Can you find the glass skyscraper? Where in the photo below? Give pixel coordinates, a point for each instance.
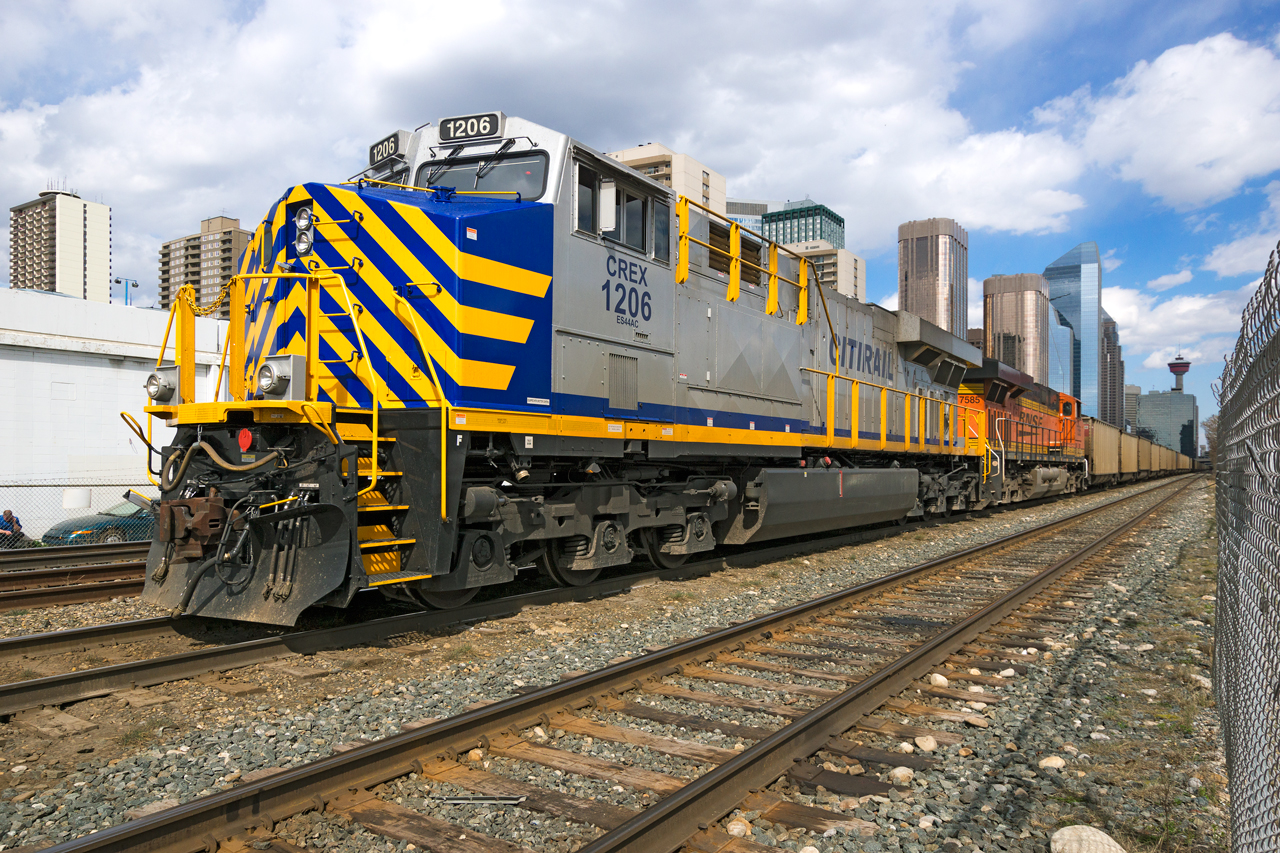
(1075, 291)
(801, 221)
(1061, 349)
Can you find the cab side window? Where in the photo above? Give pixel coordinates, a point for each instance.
(661, 231)
(588, 190)
(621, 213)
(630, 211)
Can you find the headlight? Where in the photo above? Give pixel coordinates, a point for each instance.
(303, 218)
(302, 243)
(158, 388)
(267, 378)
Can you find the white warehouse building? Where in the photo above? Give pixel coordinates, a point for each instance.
(68, 368)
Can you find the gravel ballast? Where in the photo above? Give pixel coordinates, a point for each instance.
(207, 738)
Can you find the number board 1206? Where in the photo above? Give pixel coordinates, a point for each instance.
(471, 127)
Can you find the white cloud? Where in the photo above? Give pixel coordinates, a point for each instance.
(187, 114)
(1110, 263)
(1193, 125)
(1161, 357)
(1249, 252)
(975, 304)
(1147, 323)
(889, 302)
(1172, 279)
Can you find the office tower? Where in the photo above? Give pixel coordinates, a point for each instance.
(749, 212)
(60, 242)
(206, 261)
(838, 269)
(683, 174)
(1171, 417)
(1110, 375)
(1131, 394)
(804, 221)
(1075, 290)
(977, 338)
(933, 272)
(1015, 314)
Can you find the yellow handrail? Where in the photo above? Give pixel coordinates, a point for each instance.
(736, 261)
(444, 410)
(831, 379)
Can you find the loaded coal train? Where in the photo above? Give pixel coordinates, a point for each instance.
(498, 348)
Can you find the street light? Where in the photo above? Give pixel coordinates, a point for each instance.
(127, 282)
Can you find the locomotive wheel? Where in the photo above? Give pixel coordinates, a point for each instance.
(552, 563)
(653, 550)
(445, 600)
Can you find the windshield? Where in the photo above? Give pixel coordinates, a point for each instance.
(123, 510)
(505, 173)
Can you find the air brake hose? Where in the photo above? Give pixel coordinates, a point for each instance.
(192, 584)
(167, 484)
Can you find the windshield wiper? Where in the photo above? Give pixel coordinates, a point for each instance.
(444, 164)
(486, 166)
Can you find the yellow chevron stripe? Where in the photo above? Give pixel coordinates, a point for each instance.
(476, 374)
(465, 318)
(472, 267)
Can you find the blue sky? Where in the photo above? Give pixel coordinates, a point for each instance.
(1152, 129)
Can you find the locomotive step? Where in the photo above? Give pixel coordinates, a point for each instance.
(383, 544)
(358, 433)
(374, 509)
(382, 578)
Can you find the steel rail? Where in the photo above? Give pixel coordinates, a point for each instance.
(74, 593)
(672, 820)
(205, 823)
(84, 684)
(61, 555)
(35, 578)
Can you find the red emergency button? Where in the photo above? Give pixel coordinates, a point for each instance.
(245, 438)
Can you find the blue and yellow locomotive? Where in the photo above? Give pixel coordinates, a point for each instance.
(496, 349)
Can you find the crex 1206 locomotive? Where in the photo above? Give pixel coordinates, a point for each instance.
(498, 348)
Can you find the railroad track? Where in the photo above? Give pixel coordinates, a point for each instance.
(273, 644)
(23, 559)
(756, 682)
(76, 584)
(70, 584)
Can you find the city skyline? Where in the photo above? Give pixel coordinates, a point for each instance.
(890, 118)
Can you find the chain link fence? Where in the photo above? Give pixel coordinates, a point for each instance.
(1247, 628)
(72, 512)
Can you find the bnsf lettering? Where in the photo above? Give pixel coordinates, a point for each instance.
(864, 358)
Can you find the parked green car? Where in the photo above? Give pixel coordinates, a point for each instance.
(123, 522)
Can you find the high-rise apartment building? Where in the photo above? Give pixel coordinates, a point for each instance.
(838, 269)
(749, 212)
(685, 175)
(804, 221)
(933, 272)
(1015, 315)
(1075, 291)
(206, 261)
(61, 243)
(1111, 375)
